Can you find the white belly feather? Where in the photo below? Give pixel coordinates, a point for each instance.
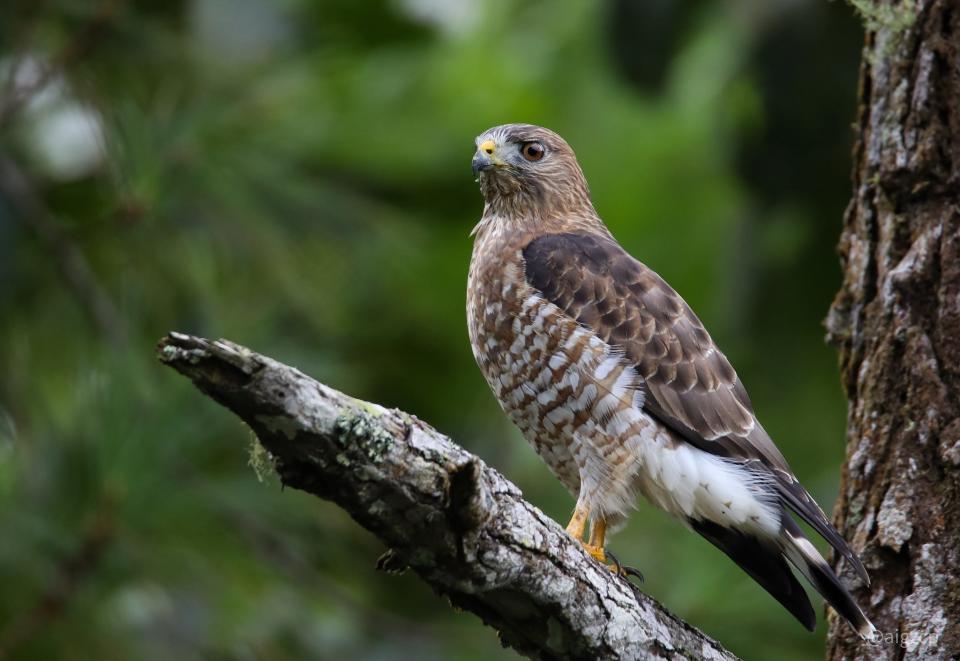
(687, 482)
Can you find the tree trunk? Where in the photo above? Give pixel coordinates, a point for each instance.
(896, 321)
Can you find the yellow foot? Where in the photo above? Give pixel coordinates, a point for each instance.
(597, 553)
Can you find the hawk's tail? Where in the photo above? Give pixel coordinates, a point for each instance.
(805, 557)
(765, 564)
(765, 560)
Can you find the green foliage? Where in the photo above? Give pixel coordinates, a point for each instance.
(294, 175)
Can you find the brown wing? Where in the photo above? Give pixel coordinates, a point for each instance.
(690, 385)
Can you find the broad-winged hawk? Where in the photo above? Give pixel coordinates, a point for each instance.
(618, 386)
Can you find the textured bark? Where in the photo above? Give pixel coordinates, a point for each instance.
(896, 321)
(460, 525)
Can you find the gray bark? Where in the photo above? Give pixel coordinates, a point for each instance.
(896, 321)
(459, 524)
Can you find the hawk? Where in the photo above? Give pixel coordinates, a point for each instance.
(615, 382)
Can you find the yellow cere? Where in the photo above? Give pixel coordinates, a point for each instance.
(487, 146)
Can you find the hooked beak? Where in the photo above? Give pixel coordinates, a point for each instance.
(485, 159)
(481, 163)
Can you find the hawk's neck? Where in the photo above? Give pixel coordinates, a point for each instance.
(496, 221)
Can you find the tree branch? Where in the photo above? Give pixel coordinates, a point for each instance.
(459, 524)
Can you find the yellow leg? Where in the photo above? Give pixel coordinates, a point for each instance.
(595, 545)
(598, 533)
(578, 523)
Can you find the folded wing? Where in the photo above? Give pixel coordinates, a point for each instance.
(690, 385)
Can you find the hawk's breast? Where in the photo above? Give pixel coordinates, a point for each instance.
(567, 390)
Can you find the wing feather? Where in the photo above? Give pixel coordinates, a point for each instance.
(693, 386)
(690, 385)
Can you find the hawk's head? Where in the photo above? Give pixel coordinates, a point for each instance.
(530, 171)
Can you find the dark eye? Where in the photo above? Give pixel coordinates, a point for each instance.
(532, 151)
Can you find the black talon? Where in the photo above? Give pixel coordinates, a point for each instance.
(626, 572)
(633, 571)
(616, 562)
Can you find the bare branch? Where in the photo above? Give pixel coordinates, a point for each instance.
(459, 524)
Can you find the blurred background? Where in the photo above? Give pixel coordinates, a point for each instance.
(295, 176)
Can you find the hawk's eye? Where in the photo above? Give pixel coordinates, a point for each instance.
(532, 151)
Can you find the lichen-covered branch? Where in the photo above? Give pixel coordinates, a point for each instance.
(459, 524)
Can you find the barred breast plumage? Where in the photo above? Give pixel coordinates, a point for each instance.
(562, 386)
